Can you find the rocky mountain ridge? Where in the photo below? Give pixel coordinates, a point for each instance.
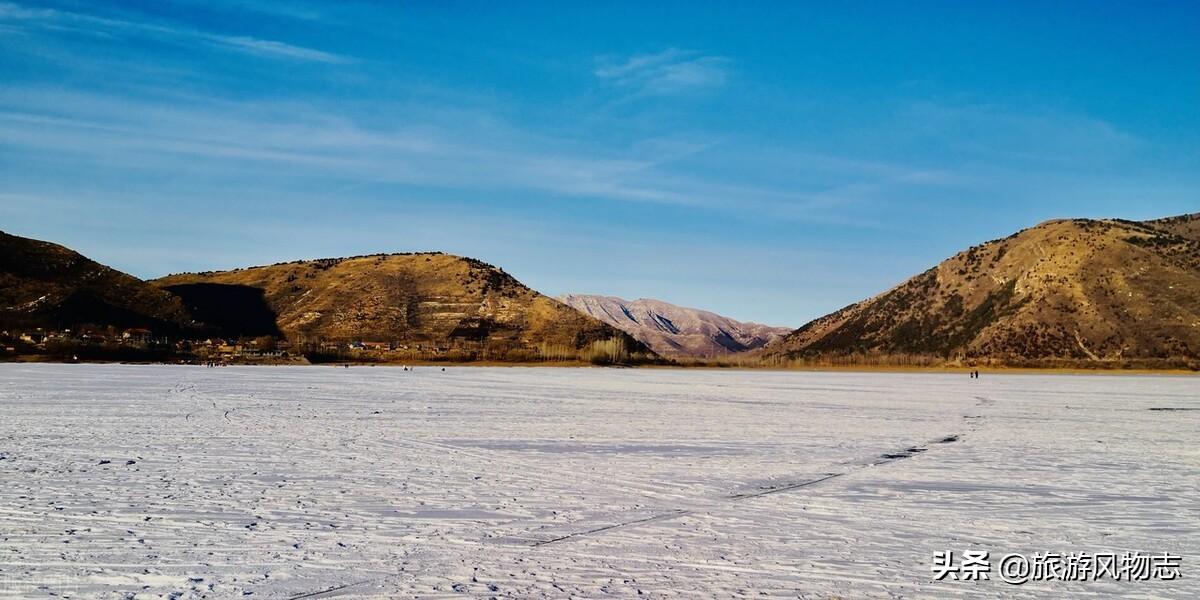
(430, 300)
(676, 331)
(1082, 290)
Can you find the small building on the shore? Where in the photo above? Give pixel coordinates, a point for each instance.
(137, 336)
(33, 337)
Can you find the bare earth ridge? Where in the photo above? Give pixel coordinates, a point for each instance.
(429, 298)
(1091, 291)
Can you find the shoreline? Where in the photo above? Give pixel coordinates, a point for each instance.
(984, 370)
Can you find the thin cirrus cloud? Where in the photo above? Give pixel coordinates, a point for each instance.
(297, 141)
(23, 18)
(201, 136)
(274, 48)
(672, 71)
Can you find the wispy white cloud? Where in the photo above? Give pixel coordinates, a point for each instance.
(434, 148)
(669, 72)
(273, 48)
(15, 11)
(294, 139)
(92, 25)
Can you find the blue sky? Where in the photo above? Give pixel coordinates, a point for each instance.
(767, 161)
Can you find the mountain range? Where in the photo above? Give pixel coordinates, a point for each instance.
(675, 331)
(1070, 291)
(425, 301)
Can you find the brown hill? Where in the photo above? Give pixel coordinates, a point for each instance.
(1077, 290)
(677, 331)
(49, 286)
(429, 299)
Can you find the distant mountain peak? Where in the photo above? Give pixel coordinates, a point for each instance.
(673, 330)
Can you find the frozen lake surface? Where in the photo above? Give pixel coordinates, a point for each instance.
(305, 482)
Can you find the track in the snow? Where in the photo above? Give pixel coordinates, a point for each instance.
(885, 458)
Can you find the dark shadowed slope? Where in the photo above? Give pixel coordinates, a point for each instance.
(49, 286)
(228, 310)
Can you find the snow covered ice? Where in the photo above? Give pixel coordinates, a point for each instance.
(121, 481)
